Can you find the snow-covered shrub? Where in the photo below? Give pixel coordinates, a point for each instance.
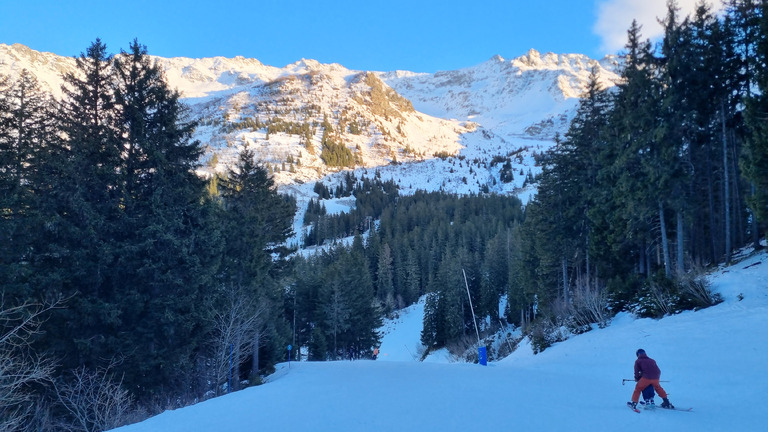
(464, 347)
(662, 296)
(503, 343)
(657, 297)
(695, 292)
(544, 333)
(589, 305)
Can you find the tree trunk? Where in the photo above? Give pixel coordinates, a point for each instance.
(565, 280)
(712, 223)
(726, 187)
(664, 240)
(755, 225)
(236, 358)
(256, 341)
(680, 244)
(586, 252)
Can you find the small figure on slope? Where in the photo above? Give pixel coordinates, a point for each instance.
(647, 373)
(648, 395)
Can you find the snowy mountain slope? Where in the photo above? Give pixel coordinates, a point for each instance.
(532, 96)
(378, 128)
(48, 68)
(713, 360)
(487, 107)
(449, 131)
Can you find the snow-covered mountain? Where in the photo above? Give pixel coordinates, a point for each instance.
(533, 95)
(450, 131)
(711, 360)
(494, 109)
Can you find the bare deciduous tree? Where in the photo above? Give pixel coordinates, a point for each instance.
(95, 400)
(237, 328)
(20, 367)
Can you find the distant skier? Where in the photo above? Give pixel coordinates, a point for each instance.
(647, 373)
(375, 353)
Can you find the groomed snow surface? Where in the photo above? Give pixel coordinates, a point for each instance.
(715, 361)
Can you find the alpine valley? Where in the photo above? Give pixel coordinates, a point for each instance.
(475, 131)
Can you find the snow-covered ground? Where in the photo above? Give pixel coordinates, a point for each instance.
(714, 360)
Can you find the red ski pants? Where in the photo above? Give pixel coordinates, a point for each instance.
(645, 382)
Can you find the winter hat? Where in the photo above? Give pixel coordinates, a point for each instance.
(640, 351)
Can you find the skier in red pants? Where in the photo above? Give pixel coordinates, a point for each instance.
(647, 373)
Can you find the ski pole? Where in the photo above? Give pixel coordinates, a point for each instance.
(625, 380)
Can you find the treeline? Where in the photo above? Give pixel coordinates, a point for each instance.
(127, 288)
(661, 176)
(656, 179)
(405, 247)
(334, 152)
(371, 197)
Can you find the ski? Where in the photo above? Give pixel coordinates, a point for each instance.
(637, 410)
(678, 409)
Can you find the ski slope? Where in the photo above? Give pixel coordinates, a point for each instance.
(714, 359)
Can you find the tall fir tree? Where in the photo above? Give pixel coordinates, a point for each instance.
(256, 222)
(755, 159)
(27, 132)
(635, 123)
(82, 212)
(167, 244)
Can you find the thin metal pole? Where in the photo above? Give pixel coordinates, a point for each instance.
(294, 328)
(474, 320)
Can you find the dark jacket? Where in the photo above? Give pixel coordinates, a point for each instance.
(645, 367)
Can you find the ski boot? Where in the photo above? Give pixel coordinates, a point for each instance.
(649, 404)
(632, 405)
(667, 404)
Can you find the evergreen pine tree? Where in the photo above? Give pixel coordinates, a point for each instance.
(256, 222)
(82, 208)
(755, 161)
(26, 134)
(635, 123)
(385, 290)
(167, 244)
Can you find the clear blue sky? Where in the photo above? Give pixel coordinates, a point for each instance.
(415, 35)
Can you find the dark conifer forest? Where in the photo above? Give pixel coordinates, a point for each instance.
(131, 284)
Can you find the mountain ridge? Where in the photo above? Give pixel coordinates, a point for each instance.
(480, 113)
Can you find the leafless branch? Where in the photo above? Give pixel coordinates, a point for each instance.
(95, 399)
(20, 367)
(589, 304)
(235, 327)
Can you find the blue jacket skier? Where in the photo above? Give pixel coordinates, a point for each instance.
(648, 395)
